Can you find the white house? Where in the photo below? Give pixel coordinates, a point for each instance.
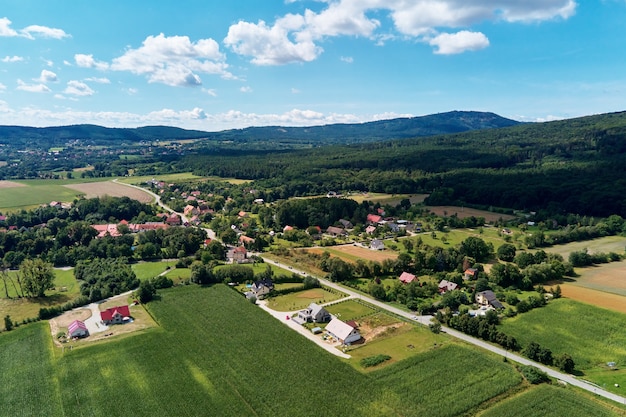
(377, 244)
(342, 332)
(314, 313)
(262, 288)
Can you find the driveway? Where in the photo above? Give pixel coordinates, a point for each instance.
(93, 323)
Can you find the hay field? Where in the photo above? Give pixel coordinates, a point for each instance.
(597, 298)
(464, 212)
(10, 184)
(351, 253)
(111, 189)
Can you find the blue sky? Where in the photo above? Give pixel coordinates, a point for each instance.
(212, 65)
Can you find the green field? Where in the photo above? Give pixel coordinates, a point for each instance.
(591, 335)
(302, 299)
(350, 310)
(549, 401)
(213, 354)
(147, 270)
(182, 176)
(37, 192)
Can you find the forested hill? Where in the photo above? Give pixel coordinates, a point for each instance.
(434, 124)
(60, 135)
(263, 137)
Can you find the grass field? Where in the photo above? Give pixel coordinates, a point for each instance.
(550, 401)
(350, 310)
(591, 335)
(606, 244)
(302, 299)
(391, 199)
(182, 176)
(464, 212)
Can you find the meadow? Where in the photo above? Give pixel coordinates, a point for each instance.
(592, 336)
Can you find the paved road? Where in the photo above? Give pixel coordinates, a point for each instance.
(425, 320)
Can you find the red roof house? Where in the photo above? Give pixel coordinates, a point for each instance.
(115, 315)
(405, 278)
(374, 218)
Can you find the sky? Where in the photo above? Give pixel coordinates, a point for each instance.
(214, 65)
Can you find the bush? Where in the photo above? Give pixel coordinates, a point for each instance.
(374, 360)
(534, 375)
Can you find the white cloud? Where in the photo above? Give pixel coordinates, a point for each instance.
(32, 88)
(295, 91)
(245, 89)
(5, 29)
(78, 88)
(48, 62)
(132, 91)
(46, 77)
(347, 59)
(272, 45)
(456, 43)
(174, 60)
(2, 87)
(211, 92)
(101, 80)
(296, 37)
(87, 61)
(38, 31)
(13, 58)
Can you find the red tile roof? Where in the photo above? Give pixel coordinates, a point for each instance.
(107, 315)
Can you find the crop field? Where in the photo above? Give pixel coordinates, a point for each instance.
(111, 189)
(592, 336)
(28, 381)
(358, 252)
(549, 401)
(212, 353)
(391, 199)
(609, 300)
(183, 176)
(605, 244)
(606, 277)
(464, 212)
(10, 184)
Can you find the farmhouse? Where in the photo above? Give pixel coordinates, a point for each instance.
(238, 255)
(314, 313)
(173, 220)
(346, 223)
(488, 298)
(246, 240)
(370, 230)
(374, 218)
(115, 315)
(377, 244)
(77, 329)
(445, 286)
(406, 278)
(342, 332)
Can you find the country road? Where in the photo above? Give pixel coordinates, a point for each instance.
(425, 320)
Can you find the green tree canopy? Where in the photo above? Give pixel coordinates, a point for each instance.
(37, 277)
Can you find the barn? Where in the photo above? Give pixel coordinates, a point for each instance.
(77, 329)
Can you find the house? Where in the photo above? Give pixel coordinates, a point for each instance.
(173, 220)
(106, 230)
(115, 315)
(246, 240)
(190, 210)
(342, 332)
(239, 254)
(287, 228)
(470, 273)
(335, 231)
(262, 288)
(370, 230)
(393, 227)
(258, 201)
(347, 224)
(314, 313)
(242, 214)
(406, 278)
(377, 244)
(77, 329)
(488, 298)
(445, 286)
(374, 218)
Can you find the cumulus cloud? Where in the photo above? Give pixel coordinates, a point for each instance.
(13, 58)
(5, 28)
(245, 89)
(46, 77)
(78, 88)
(32, 88)
(296, 37)
(456, 43)
(99, 80)
(174, 60)
(87, 61)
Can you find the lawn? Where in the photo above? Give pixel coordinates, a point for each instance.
(148, 270)
(302, 299)
(549, 401)
(212, 354)
(350, 310)
(592, 336)
(66, 288)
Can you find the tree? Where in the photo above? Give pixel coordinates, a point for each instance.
(476, 248)
(557, 292)
(146, 291)
(506, 252)
(8, 323)
(532, 351)
(454, 299)
(37, 277)
(565, 363)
